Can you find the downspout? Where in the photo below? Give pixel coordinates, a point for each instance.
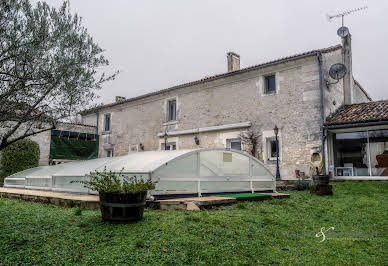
(322, 97)
(98, 118)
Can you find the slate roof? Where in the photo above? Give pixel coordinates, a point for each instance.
(360, 113)
(218, 76)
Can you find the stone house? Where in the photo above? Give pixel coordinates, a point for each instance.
(295, 93)
(56, 145)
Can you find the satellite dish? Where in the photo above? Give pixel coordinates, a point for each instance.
(343, 32)
(337, 71)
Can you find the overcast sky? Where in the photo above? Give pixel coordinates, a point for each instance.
(159, 44)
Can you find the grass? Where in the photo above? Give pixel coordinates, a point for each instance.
(276, 232)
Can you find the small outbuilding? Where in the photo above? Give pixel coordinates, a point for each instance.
(202, 171)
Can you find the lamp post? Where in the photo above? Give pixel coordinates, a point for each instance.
(165, 136)
(276, 131)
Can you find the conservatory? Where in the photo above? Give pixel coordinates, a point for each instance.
(202, 171)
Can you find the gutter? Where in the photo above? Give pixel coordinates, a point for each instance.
(207, 129)
(322, 96)
(216, 77)
(351, 125)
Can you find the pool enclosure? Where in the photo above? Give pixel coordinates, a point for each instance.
(178, 172)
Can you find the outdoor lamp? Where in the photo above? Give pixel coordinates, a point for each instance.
(165, 140)
(196, 139)
(276, 131)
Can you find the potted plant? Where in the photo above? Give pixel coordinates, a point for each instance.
(122, 198)
(320, 185)
(301, 183)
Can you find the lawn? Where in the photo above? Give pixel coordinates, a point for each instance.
(272, 232)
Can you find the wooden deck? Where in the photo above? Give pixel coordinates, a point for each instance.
(56, 198)
(193, 204)
(277, 195)
(92, 201)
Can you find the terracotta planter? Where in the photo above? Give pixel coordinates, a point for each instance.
(122, 207)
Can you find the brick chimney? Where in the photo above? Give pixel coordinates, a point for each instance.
(347, 60)
(233, 61)
(120, 98)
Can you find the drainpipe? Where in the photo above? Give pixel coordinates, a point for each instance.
(322, 97)
(97, 117)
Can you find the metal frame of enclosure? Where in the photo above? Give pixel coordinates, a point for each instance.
(202, 171)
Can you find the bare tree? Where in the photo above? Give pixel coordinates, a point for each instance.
(252, 139)
(48, 68)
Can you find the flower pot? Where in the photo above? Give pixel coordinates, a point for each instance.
(321, 185)
(321, 179)
(122, 207)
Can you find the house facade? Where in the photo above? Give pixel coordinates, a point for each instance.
(294, 93)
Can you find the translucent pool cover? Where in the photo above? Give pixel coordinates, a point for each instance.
(199, 171)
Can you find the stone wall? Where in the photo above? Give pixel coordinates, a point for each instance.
(295, 109)
(359, 95)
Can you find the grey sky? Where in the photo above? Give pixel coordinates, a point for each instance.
(158, 44)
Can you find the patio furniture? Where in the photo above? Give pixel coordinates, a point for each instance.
(382, 160)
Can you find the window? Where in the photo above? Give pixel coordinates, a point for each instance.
(109, 153)
(171, 112)
(270, 84)
(169, 147)
(271, 149)
(235, 144)
(363, 153)
(107, 122)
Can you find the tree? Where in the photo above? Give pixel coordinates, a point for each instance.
(49, 68)
(252, 139)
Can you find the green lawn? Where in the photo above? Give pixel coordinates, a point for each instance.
(255, 233)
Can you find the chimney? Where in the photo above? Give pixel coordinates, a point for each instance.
(119, 98)
(347, 60)
(233, 61)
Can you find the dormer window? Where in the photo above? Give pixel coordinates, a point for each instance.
(171, 110)
(270, 84)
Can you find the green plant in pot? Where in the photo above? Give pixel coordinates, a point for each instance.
(122, 198)
(301, 183)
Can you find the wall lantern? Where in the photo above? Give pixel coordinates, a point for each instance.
(165, 136)
(196, 139)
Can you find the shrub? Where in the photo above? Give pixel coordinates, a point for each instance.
(302, 185)
(19, 156)
(110, 182)
(77, 211)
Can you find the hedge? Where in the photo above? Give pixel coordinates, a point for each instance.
(19, 156)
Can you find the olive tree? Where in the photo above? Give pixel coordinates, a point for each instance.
(49, 68)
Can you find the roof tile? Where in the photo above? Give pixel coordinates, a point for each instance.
(360, 113)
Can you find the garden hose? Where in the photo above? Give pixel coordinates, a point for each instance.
(316, 166)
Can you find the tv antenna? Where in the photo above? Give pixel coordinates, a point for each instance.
(345, 13)
(344, 31)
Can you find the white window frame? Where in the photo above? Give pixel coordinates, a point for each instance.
(169, 141)
(133, 148)
(110, 122)
(269, 149)
(168, 110)
(229, 143)
(169, 144)
(262, 86)
(111, 152)
(269, 135)
(265, 84)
